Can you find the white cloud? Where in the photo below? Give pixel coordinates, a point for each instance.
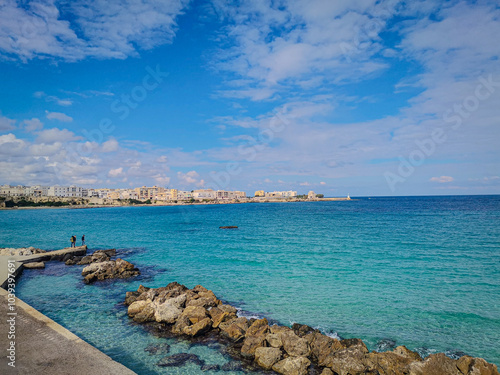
(58, 116)
(56, 135)
(91, 28)
(442, 179)
(6, 124)
(110, 145)
(32, 125)
(190, 178)
(302, 44)
(118, 172)
(322, 183)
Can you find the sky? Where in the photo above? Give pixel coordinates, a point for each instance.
(340, 97)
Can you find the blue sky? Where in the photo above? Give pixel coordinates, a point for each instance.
(358, 97)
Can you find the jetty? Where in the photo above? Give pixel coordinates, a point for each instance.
(19, 260)
(35, 344)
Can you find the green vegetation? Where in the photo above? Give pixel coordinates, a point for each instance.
(320, 195)
(302, 196)
(25, 203)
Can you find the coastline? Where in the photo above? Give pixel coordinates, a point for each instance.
(267, 200)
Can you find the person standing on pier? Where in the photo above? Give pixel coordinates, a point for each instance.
(83, 240)
(72, 241)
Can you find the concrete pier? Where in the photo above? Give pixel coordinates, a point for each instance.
(35, 344)
(43, 347)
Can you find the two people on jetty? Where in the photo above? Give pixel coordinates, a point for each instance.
(73, 241)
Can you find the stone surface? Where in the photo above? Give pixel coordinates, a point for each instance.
(293, 366)
(274, 340)
(109, 270)
(170, 310)
(294, 345)
(34, 265)
(198, 328)
(435, 364)
(476, 366)
(267, 357)
(195, 313)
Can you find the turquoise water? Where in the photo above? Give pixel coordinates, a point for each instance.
(418, 271)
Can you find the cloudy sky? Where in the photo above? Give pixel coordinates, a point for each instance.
(337, 96)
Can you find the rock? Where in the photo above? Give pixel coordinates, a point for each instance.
(131, 297)
(136, 307)
(170, 310)
(229, 227)
(218, 316)
(70, 262)
(387, 363)
(67, 257)
(301, 329)
(435, 364)
(267, 357)
(295, 345)
(274, 340)
(163, 348)
(326, 371)
(177, 360)
(355, 344)
(198, 328)
(109, 270)
(108, 252)
(34, 265)
(203, 302)
(407, 353)
(322, 347)
(146, 315)
(181, 323)
(234, 329)
(349, 361)
(258, 328)
(476, 366)
(87, 259)
(250, 345)
(293, 366)
(210, 368)
(195, 313)
(228, 308)
(232, 366)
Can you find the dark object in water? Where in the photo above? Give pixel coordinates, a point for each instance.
(157, 348)
(177, 360)
(229, 227)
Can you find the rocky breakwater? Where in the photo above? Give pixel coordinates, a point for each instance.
(100, 266)
(21, 251)
(298, 350)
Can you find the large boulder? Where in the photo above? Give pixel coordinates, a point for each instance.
(234, 329)
(34, 265)
(476, 366)
(198, 328)
(294, 345)
(292, 366)
(255, 337)
(267, 357)
(349, 361)
(387, 363)
(195, 313)
(170, 310)
(435, 364)
(109, 270)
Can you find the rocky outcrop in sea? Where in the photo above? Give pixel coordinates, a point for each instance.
(100, 266)
(21, 251)
(299, 350)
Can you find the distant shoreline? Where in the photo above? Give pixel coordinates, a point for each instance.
(84, 206)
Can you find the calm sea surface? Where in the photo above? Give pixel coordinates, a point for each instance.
(417, 271)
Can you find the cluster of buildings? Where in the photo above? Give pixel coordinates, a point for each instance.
(141, 193)
(155, 193)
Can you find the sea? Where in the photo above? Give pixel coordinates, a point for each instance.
(423, 272)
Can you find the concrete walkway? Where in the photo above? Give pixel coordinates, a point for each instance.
(43, 347)
(20, 259)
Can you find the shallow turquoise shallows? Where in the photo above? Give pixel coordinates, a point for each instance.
(417, 271)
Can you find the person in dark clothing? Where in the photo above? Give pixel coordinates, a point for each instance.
(83, 240)
(72, 241)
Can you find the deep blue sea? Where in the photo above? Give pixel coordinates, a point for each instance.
(417, 271)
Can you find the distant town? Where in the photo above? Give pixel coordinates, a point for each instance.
(140, 195)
